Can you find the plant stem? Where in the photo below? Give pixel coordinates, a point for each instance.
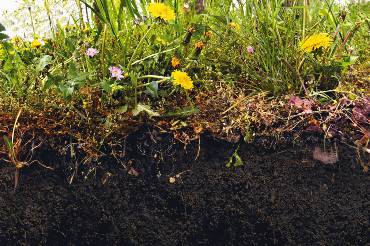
(138, 46)
(153, 55)
(153, 77)
(32, 23)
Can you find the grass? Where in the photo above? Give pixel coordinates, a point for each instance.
(245, 50)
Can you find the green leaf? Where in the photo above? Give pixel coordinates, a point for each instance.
(8, 143)
(144, 108)
(152, 89)
(349, 61)
(186, 111)
(3, 36)
(43, 62)
(66, 90)
(235, 160)
(122, 109)
(238, 161)
(2, 28)
(52, 80)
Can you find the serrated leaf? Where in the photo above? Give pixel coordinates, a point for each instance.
(67, 91)
(152, 89)
(43, 62)
(144, 108)
(121, 110)
(186, 111)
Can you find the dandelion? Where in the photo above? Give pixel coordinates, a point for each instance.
(36, 43)
(116, 72)
(91, 52)
(315, 42)
(208, 34)
(175, 62)
(182, 79)
(234, 25)
(160, 10)
(189, 34)
(199, 45)
(250, 49)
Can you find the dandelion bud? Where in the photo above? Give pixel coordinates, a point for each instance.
(189, 34)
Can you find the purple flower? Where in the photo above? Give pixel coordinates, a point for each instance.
(250, 49)
(116, 72)
(91, 52)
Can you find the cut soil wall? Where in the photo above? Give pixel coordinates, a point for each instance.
(280, 196)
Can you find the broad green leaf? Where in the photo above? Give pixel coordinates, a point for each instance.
(121, 110)
(152, 89)
(43, 62)
(144, 108)
(66, 90)
(183, 112)
(3, 36)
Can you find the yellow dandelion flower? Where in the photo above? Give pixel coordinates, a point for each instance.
(182, 79)
(199, 45)
(36, 43)
(234, 25)
(316, 41)
(175, 62)
(160, 10)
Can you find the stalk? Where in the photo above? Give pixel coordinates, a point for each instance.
(305, 5)
(139, 46)
(32, 23)
(82, 23)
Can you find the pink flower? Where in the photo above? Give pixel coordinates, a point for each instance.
(303, 104)
(250, 49)
(116, 72)
(91, 52)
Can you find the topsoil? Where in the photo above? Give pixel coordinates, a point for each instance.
(280, 195)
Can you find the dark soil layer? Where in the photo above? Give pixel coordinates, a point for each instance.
(280, 196)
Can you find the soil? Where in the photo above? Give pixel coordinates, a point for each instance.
(279, 196)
